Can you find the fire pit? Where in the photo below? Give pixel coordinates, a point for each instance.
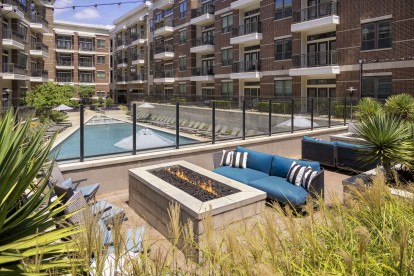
(196, 190)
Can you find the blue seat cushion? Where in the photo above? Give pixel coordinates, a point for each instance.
(281, 165)
(67, 183)
(256, 160)
(242, 175)
(89, 190)
(280, 189)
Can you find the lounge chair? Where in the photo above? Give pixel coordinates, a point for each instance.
(189, 125)
(57, 179)
(210, 134)
(233, 133)
(199, 128)
(192, 128)
(205, 131)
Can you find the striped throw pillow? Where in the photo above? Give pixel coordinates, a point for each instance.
(308, 176)
(239, 160)
(226, 158)
(295, 174)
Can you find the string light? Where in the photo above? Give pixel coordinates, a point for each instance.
(148, 3)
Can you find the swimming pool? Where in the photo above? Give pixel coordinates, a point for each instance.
(100, 139)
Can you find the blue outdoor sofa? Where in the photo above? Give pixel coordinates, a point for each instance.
(268, 173)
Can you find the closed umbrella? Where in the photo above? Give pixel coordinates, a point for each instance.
(298, 121)
(146, 139)
(62, 107)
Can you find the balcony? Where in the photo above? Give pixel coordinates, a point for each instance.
(12, 9)
(86, 65)
(248, 34)
(64, 79)
(121, 44)
(247, 70)
(122, 62)
(136, 40)
(137, 59)
(136, 78)
(39, 49)
(320, 63)
(64, 46)
(164, 52)
(13, 40)
(13, 71)
(202, 74)
(39, 24)
(203, 15)
(164, 27)
(39, 76)
(166, 76)
(86, 47)
(86, 79)
(121, 79)
(64, 64)
(319, 18)
(203, 45)
(164, 4)
(244, 4)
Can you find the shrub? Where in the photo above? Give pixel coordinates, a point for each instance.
(109, 101)
(222, 104)
(278, 107)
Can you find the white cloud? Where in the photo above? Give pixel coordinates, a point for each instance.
(62, 4)
(87, 14)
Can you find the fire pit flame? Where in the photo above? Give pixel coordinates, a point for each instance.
(205, 185)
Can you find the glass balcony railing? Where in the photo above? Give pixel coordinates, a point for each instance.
(64, 45)
(86, 78)
(13, 35)
(64, 78)
(315, 12)
(163, 23)
(39, 73)
(164, 48)
(86, 47)
(39, 46)
(37, 18)
(86, 63)
(64, 62)
(11, 68)
(136, 77)
(250, 28)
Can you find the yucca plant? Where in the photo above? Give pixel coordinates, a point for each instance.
(388, 139)
(31, 230)
(368, 107)
(402, 106)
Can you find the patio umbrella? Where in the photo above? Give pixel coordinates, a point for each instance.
(298, 121)
(146, 139)
(146, 105)
(62, 107)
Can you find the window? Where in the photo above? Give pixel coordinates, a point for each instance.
(183, 9)
(283, 8)
(283, 49)
(100, 43)
(100, 74)
(227, 89)
(183, 88)
(151, 25)
(227, 56)
(377, 87)
(376, 35)
(226, 23)
(100, 59)
(283, 88)
(183, 36)
(183, 63)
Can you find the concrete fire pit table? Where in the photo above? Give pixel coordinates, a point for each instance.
(151, 196)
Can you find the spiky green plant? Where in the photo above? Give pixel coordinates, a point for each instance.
(368, 107)
(388, 139)
(401, 105)
(31, 230)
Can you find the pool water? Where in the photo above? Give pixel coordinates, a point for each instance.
(100, 140)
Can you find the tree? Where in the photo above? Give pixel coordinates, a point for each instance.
(85, 92)
(33, 236)
(48, 95)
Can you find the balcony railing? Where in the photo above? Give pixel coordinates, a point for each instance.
(122, 60)
(250, 28)
(164, 48)
(136, 56)
(85, 78)
(11, 68)
(39, 46)
(39, 73)
(315, 12)
(120, 42)
(36, 18)
(64, 62)
(203, 71)
(63, 44)
(86, 63)
(164, 74)
(64, 78)
(133, 38)
(163, 23)
(16, 3)
(206, 8)
(12, 34)
(246, 66)
(86, 47)
(121, 78)
(317, 59)
(205, 40)
(136, 77)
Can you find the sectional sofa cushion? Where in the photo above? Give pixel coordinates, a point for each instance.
(226, 158)
(281, 165)
(239, 160)
(258, 161)
(280, 189)
(307, 138)
(343, 144)
(242, 175)
(295, 174)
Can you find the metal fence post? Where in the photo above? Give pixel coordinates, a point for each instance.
(311, 113)
(177, 125)
(329, 112)
(134, 129)
(344, 110)
(270, 117)
(292, 110)
(244, 120)
(213, 121)
(81, 134)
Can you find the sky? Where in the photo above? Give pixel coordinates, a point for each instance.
(102, 15)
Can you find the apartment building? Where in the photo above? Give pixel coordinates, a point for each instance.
(129, 55)
(276, 48)
(25, 29)
(81, 56)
